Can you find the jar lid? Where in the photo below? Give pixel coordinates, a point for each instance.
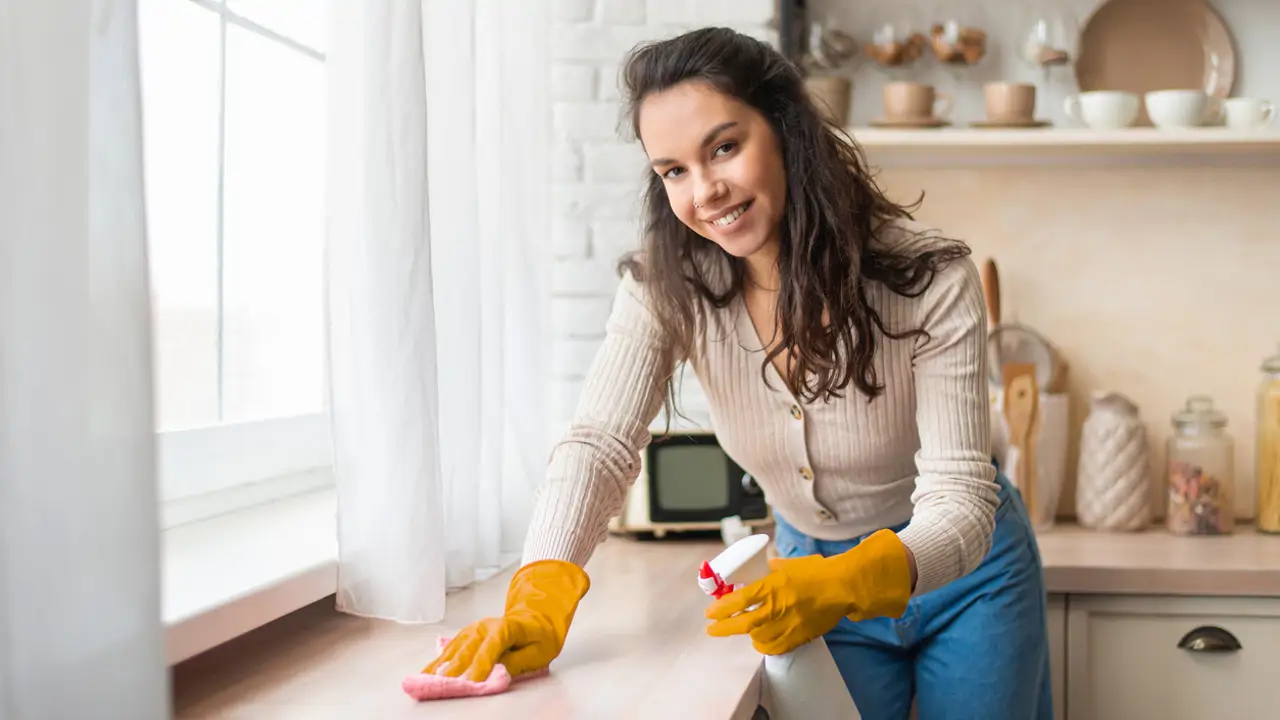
(1199, 410)
(1272, 364)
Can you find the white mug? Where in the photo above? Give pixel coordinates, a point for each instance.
(1249, 113)
(1103, 109)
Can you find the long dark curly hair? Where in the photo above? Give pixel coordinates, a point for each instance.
(833, 214)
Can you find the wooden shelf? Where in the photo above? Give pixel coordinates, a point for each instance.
(972, 146)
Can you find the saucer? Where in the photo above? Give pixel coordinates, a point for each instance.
(1010, 123)
(911, 123)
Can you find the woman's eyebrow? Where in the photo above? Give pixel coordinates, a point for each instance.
(706, 140)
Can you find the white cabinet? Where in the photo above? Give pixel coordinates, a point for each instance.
(1172, 658)
(1057, 621)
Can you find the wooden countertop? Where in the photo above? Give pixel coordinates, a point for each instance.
(1077, 560)
(638, 647)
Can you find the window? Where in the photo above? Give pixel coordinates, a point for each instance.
(234, 138)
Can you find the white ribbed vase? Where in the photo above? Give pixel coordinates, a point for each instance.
(1111, 485)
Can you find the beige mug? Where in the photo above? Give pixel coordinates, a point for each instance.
(915, 102)
(830, 93)
(1010, 102)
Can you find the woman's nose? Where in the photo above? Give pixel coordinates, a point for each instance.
(709, 190)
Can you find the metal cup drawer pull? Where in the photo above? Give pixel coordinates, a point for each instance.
(1211, 639)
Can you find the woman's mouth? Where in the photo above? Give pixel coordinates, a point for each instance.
(732, 216)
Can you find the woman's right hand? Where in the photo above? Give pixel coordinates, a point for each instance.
(541, 601)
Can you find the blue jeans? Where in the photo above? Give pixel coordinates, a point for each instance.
(976, 647)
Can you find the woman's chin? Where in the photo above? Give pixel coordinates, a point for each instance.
(739, 246)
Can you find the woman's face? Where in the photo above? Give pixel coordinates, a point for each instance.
(721, 164)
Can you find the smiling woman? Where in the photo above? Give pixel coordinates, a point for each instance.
(840, 286)
(841, 348)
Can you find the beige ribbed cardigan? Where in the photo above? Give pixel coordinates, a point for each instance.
(834, 470)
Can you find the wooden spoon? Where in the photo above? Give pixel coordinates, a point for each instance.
(991, 292)
(1022, 414)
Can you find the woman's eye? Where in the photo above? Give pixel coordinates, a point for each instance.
(671, 174)
(725, 148)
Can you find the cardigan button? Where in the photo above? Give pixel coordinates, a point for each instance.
(806, 473)
(824, 515)
(795, 412)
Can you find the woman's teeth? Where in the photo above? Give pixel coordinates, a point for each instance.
(731, 216)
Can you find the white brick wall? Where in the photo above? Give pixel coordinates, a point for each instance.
(579, 317)
(598, 173)
(572, 82)
(613, 161)
(622, 12)
(612, 238)
(572, 11)
(585, 120)
(745, 15)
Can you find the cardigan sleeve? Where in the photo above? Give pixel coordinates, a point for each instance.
(598, 458)
(955, 497)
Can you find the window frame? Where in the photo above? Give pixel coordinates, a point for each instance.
(211, 470)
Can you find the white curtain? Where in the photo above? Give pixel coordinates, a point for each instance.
(80, 633)
(438, 284)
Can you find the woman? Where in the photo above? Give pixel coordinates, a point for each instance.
(863, 417)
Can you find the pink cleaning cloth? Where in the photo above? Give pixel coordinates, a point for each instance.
(426, 686)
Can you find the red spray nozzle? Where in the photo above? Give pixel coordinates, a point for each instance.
(711, 583)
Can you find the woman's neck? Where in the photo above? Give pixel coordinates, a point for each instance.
(762, 268)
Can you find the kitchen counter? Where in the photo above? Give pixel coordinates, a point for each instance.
(638, 647)
(1154, 562)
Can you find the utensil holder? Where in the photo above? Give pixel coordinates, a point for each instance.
(1050, 452)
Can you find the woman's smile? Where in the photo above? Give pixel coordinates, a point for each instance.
(729, 222)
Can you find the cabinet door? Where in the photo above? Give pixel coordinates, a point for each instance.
(1057, 622)
(1172, 658)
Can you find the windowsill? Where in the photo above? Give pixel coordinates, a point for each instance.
(230, 574)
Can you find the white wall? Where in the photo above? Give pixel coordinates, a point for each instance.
(1172, 281)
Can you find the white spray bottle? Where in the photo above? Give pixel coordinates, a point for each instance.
(804, 684)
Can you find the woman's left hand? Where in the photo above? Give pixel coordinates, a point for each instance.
(804, 598)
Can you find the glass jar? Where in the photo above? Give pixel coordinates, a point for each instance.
(1201, 471)
(1268, 451)
(896, 37)
(1050, 35)
(958, 33)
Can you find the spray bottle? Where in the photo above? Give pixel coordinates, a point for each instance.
(804, 684)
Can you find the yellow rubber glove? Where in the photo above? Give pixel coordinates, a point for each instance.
(804, 598)
(541, 601)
